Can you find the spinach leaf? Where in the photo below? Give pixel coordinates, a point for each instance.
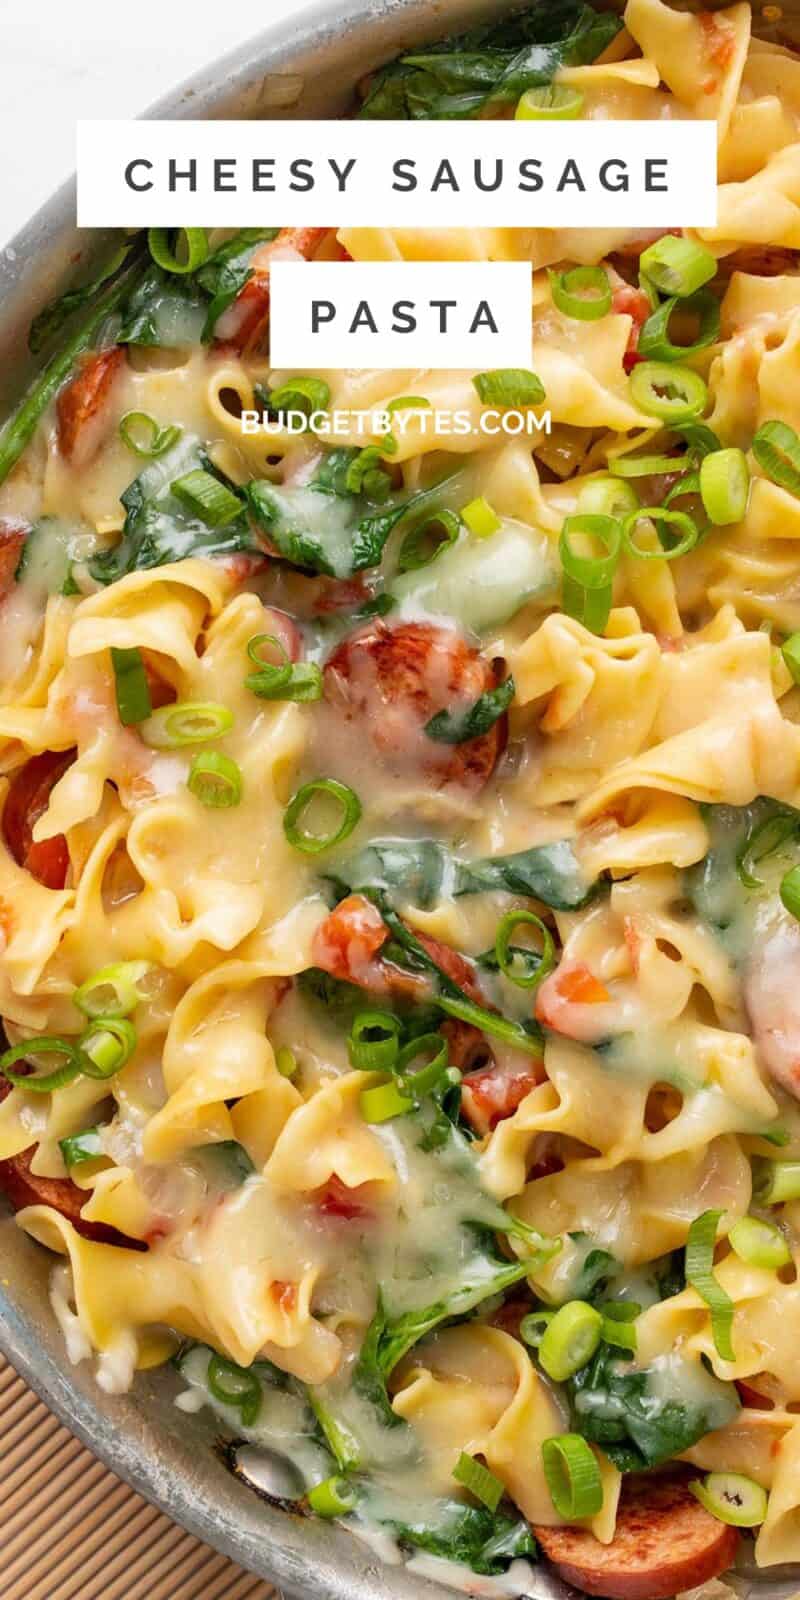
(165, 310)
(414, 866)
(748, 853)
(485, 1274)
(598, 1269)
(457, 727)
(421, 869)
(322, 530)
(490, 65)
(483, 1540)
(641, 1418)
(224, 274)
(52, 317)
(159, 528)
(548, 872)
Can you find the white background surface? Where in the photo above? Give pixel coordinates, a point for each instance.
(97, 58)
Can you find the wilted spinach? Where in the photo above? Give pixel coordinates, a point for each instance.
(490, 65)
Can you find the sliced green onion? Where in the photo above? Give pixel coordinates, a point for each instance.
(762, 841)
(607, 497)
(303, 684)
(777, 1133)
(207, 498)
(286, 1061)
(374, 1041)
(535, 965)
(301, 394)
(583, 293)
(724, 485)
(570, 1340)
(573, 1476)
(301, 837)
(458, 727)
(534, 1326)
(186, 722)
(699, 437)
(112, 991)
(408, 402)
(335, 1497)
(679, 519)
(732, 1498)
(384, 1102)
(759, 1243)
(107, 1044)
(587, 584)
(774, 1182)
(790, 891)
(643, 466)
(509, 386)
(38, 1079)
(700, 1274)
(194, 251)
(424, 542)
(549, 102)
(215, 780)
(790, 650)
(283, 679)
(425, 1078)
(145, 437)
(669, 392)
(365, 475)
(79, 1147)
(479, 1480)
(619, 1318)
(776, 448)
(235, 1386)
(480, 518)
(677, 265)
(654, 340)
(131, 686)
(490, 1022)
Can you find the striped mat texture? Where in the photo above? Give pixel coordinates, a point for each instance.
(70, 1530)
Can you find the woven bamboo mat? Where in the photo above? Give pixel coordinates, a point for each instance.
(70, 1530)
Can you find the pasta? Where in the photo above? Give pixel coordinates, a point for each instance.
(399, 858)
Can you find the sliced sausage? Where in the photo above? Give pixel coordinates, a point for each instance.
(664, 1541)
(772, 999)
(25, 1188)
(244, 321)
(12, 540)
(390, 681)
(83, 406)
(27, 800)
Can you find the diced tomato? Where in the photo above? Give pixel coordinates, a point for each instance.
(578, 984)
(719, 38)
(337, 1200)
(633, 941)
(243, 565)
(566, 1000)
(12, 539)
(83, 406)
(285, 1294)
(27, 800)
(493, 1093)
(630, 302)
(753, 1397)
(347, 942)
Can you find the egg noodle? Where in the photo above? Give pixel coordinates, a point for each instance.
(400, 851)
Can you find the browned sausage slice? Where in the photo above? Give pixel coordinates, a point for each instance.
(390, 681)
(25, 1188)
(83, 406)
(664, 1542)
